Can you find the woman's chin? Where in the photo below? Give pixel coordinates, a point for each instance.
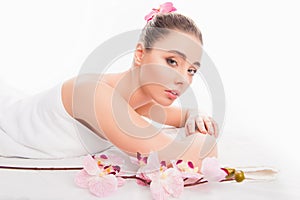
(164, 101)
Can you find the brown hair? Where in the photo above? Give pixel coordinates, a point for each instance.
(157, 27)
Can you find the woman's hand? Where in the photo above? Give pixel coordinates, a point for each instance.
(198, 121)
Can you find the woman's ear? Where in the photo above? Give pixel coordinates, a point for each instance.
(139, 54)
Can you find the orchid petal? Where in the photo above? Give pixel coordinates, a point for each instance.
(121, 181)
(179, 161)
(153, 166)
(157, 190)
(167, 7)
(144, 177)
(116, 168)
(134, 160)
(82, 179)
(190, 164)
(186, 172)
(103, 156)
(191, 175)
(212, 170)
(150, 15)
(138, 155)
(90, 165)
(103, 186)
(144, 159)
(173, 183)
(163, 163)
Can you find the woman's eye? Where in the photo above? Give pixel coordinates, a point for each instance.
(192, 71)
(171, 61)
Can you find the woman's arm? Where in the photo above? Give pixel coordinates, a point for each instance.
(123, 126)
(192, 119)
(173, 116)
(127, 130)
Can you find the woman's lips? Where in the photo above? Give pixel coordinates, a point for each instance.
(172, 94)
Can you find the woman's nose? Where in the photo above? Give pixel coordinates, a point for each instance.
(181, 78)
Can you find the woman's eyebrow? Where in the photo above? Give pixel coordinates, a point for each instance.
(183, 56)
(179, 53)
(197, 64)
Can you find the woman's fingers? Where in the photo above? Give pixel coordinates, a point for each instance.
(208, 125)
(190, 126)
(215, 126)
(205, 124)
(187, 128)
(200, 125)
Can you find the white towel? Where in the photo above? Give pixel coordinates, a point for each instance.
(38, 126)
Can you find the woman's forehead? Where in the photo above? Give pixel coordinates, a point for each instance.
(181, 43)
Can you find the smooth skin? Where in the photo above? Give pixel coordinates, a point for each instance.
(113, 106)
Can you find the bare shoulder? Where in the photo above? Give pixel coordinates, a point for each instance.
(81, 83)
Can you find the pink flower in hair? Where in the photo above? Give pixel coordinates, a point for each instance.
(163, 8)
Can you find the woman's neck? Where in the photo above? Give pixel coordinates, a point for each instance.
(128, 85)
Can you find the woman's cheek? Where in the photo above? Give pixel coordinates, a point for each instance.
(154, 73)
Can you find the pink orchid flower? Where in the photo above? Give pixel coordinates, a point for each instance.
(163, 8)
(146, 168)
(108, 159)
(211, 170)
(165, 181)
(187, 169)
(139, 160)
(100, 179)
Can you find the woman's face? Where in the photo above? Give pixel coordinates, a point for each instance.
(168, 68)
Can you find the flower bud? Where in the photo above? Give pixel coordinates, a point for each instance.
(239, 176)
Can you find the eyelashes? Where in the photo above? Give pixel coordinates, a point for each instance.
(192, 71)
(171, 61)
(174, 63)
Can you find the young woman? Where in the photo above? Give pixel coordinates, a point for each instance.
(92, 112)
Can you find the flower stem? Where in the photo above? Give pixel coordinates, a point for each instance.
(136, 177)
(197, 182)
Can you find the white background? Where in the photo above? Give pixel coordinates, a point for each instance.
(254, 44)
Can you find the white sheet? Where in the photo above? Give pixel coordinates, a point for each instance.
(234, 151)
